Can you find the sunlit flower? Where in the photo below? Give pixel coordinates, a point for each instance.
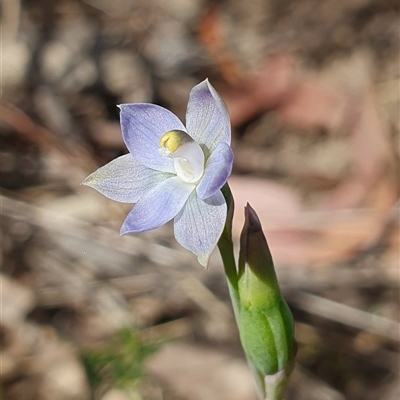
(172, 171)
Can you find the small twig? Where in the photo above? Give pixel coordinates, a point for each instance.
(77, 159)
(57, 222)
(346, 315)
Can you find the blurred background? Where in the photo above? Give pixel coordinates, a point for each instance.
(313, 92)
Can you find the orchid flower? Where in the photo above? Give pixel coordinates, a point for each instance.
(172, 171)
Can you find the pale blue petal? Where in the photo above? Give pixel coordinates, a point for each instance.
(207, 118)
(124, 180)
(142, 126)
(158, 206)
(199, 225)
(218, 169)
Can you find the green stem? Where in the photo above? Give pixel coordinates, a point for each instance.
(225, 246)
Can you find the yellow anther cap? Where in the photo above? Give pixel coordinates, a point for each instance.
(172, 140)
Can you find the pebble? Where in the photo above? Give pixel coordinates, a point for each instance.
(15, 58)
(17, 301)
(124, 75)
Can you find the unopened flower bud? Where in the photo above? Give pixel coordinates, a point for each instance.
(266, 324)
